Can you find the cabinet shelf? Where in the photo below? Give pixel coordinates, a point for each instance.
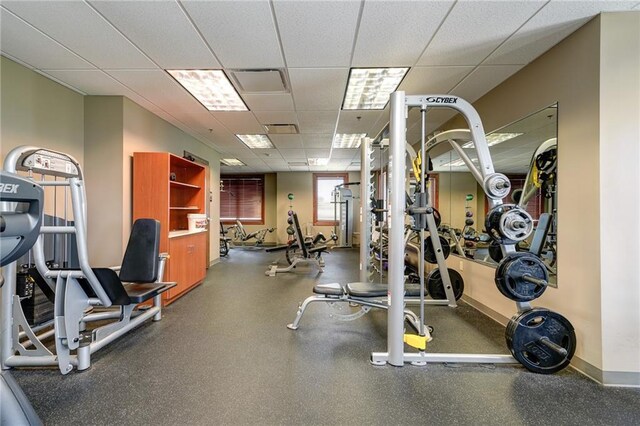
(177, 184)
(185, 208)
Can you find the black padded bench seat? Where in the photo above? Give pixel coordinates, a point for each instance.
(139, 293)
(333, 289)
(360, 289)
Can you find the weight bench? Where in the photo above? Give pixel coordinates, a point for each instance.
(365, 295)
(310, 254)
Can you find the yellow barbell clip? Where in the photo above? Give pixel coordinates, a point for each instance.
(416, 341)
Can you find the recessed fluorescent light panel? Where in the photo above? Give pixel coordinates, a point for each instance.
(348, 140)
(495, 139)
(256, 141)
(211, 88)
(318, 161)
(369, 88)
(232, 162)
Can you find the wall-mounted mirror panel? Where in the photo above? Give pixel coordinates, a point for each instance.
(525, 151)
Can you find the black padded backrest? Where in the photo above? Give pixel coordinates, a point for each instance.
(540, 235)
(299, 237)
(140, 262)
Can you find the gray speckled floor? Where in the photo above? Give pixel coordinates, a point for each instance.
(222, 355)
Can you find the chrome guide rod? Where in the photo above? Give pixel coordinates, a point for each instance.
(395, 218)
(423, 117)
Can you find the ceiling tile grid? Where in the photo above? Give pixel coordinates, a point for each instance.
(161, 30)
(241, 33)
(77, 26)
(474, 29)
(317, 33)
(123, 48)
(22, 41)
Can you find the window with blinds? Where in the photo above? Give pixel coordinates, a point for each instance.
(242, 197)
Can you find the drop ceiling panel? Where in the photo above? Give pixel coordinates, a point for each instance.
(241, 33)
(317, 140)
(275, 162)
(159, 88)
(482, 80)
(280, 102)
(349, 122)
(265, 154)
(293, 154)
(299, 168)
(474, 29)
(239, 122)
(91, 82)
(287, 141)
(276, 117)
(78, 27)
(408, 27)
(317, 33)
(346, 153)
(552, 24)
(317, 121)
(317, 153)
(433, 80)
(318, 88)
(23, 42)
(161, 30)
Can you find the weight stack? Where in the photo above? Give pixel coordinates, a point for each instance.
(36, 306)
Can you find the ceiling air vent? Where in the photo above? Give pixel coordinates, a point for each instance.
(281, 129)
(260, 81)
(297, 163)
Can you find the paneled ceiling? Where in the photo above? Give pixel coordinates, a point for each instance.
(464, 48)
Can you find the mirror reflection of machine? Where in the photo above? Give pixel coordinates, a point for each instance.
(343, 214)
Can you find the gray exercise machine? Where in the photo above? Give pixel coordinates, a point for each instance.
(20, 220)
(299, 252)
(83, 296)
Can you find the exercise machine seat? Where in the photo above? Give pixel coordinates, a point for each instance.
(332, 289)
(140, 261)
(367, 289)
(139, 271)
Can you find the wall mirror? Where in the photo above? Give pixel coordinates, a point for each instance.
(525, 151)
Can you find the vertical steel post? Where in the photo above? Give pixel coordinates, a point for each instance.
(365, 208)
(395, 208)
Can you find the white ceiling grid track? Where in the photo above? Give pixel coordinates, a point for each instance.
(123, 48)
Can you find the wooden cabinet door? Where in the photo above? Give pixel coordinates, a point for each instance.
(178, 266)
(199, 257)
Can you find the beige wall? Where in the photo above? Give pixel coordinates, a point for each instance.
(38, 111)
(569, 75)
(593, 75)
(620, 178)
(103, 170)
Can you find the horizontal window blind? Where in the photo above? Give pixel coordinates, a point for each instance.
(242, 198)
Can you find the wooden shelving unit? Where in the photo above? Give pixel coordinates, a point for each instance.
(157, 195)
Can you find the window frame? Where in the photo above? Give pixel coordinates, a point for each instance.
(317, 176)
(261, 221)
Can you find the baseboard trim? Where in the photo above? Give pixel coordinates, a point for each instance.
(213, 262)
(606, 378)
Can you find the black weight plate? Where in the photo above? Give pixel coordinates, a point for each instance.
(527, 332)
(435, 288)
(509, 276)
(430, 253)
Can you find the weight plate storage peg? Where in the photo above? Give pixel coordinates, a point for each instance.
(508, 224)
(521, 276)
(542, 341)
(430, 252)
(435, 287)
